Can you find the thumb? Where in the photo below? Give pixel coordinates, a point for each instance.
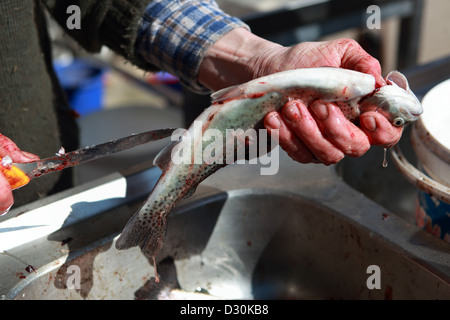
(9, 148)
(6, 196)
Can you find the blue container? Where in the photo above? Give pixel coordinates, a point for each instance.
(433, 215)
(83, 83)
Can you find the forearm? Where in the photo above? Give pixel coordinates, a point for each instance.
(176, 35)
(235, 58)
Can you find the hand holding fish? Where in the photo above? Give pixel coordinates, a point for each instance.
(336, 97)
(322, 132)
(316, 133)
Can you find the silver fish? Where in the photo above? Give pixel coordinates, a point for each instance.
(244, 107)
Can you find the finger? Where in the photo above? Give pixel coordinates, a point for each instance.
(303, 125)
(356, 58)
(9, 148)
(6, 196)
(287, 139)
(379, 130)
(342, 133)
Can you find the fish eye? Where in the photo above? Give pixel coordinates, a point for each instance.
(398, 122)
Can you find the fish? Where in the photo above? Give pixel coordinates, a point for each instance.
(243, 107)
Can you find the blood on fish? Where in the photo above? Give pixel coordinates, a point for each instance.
(257, 95)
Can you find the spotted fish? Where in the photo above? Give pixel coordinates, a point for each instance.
(244, 107)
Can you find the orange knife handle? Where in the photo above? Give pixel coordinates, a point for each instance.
(16, 177)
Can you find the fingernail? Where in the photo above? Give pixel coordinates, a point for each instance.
(320, 111)
(2, 213)
(369, 123)
(273, 122)
(292, 113)
(30, 156)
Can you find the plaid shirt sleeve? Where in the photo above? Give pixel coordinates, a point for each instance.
(174, 36)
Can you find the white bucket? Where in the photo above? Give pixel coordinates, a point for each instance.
(430, 138)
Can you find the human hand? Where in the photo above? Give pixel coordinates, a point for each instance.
(9, 148)
(320, 132)
(316, 133)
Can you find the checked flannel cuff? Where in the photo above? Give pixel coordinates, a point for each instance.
(174, 36)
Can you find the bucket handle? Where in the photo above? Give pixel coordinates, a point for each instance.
(417, 178)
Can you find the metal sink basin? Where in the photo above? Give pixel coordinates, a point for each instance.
(300, 234)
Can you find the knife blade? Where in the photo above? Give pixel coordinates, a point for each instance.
(20, 174)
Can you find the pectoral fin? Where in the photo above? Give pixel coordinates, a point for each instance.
(232, 92)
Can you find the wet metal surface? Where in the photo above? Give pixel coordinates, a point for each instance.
(300, 234)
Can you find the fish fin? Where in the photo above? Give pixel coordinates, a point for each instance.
(227, 93)
(399, 79)
(190, 192)
(146, 229)
(162, 159)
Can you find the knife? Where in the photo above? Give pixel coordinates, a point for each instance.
(20, 174)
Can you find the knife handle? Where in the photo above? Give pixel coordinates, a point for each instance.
(16, 177)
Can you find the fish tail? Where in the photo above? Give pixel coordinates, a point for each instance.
(146, 229)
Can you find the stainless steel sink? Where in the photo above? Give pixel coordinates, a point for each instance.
(303, 233)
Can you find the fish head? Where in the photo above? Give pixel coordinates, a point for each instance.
(396, 101)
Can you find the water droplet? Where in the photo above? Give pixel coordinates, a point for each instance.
(385, 163)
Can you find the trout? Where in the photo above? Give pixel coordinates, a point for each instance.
(244, 107)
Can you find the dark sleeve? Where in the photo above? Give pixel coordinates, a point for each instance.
(113, 23)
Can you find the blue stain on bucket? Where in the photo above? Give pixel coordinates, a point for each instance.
(433, 215)
(83, 83)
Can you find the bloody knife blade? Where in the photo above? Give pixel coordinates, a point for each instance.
(20, 174)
